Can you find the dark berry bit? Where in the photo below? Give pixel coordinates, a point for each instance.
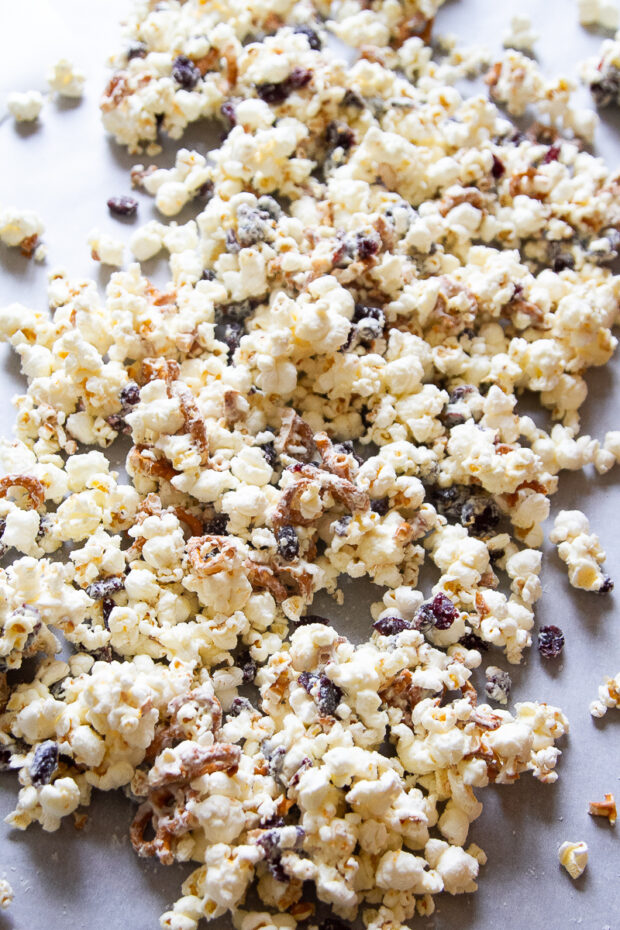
(313, 39)
(471, 641)
(498, 168)
(381, 506)
(123, 206)
(498, 685)
(366, 247)
(277, 93)
(607, 586)
(606, 90)
(216, 526)
(288, 543)
(329, 696)
(424, 619)
(312, 618)
(232, 243)
(339, 135)
(136, 50)
(444, 610)
(104, 588)
(238, 705)
(270, 205)
(306, 680)
(299, 77)
(44, 763)
(391, 626)
(271, 456)
(341, 525)
(248, 667)
(552, 154)
(107, 606)
(550, 641)
(130, 394)
(208, 275)
(563, 261)
(352, 99)
(185, 72)
(228, 112)
(206, 190)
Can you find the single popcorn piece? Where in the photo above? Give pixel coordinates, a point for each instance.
(105, 248)
(25, 107)
(581, 550)
(604, 13)
(6, 894)
(21, 228)
(574, 858)
(66, 80)
(520, 35)
(601, 74)
(606, 808)
(608, 696)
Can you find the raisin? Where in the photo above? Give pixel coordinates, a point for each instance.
(136, 50)
(312, 618)
(123, 206)
(444, 611)
(313, 39)
(207, 275)
(550, 641)
(130, 394)
(352, 99)
(299, 77)
(329, 696)
(44, 763)
(248, 667)
(471, 641)
(339, 135)
(104, 588)
(216, 526)
(381, 506)
(269, 451)
(231, 336)
(288, 543)
(498, 168)
(273, 93)
(185, 72)
(391, 626)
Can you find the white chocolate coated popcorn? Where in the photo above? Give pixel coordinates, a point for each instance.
(574, 858)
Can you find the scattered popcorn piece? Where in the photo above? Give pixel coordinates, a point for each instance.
(606, 808)
(601, 73)
(66, 80)
(105, 248)
(574, 858)
(608, 696)
(520, 35)
(602, 13)
(25, 107)
(20, 228)
(581, 550)
(6, 894)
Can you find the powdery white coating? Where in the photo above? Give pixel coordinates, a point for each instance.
(574, 858)
(25, 107)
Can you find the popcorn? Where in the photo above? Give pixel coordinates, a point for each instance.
(20, 228)
(66, 80)
(520, 35)
(25, 107)
(598, 13)
(574, 858)
(608, 696)
(105, 248)
(6, 894)
(602, 73)
(581, 550)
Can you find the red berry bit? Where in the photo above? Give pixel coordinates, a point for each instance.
(123, 206)
(550, 641)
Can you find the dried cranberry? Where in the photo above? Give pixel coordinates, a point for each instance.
(606, 90)
(329, 696)
(123, 206)
(391, 626)
(107, 606)
(136, 50)
(130, 394)
(288, 543)
(550, 641)
(228, 111)
(104, 588)
(248, 667)
(339, 135)
(563, 261)
(444, 610)
(273, 93)
(471, 641)
(216, 526)
(238, 705)
(481, 515)
(185, 72)
(44, 763)
(312, 618)
(552, 154)
(306, 680)
(313, 39)
(208, 275)
(381, 506)
(299, 77)
(498, 168)
(269, 451)
(366, 247)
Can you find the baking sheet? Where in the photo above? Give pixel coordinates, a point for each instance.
(65, 168)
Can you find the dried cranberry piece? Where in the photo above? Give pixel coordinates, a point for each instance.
(329, 696)
(299, 77)
(471, 641)
(231, 336)
(552, 154)
(130, 394)
(123, 206)
(44, 763)
(381, 506)
(444, 611)
(306, 680)
(550, 641)
(248, 667)
(238, 705)
(107, 606)
(352, 99)
(273, 93)
(288, 543)
(228, 111)
(185, 72)
(366, 247)
(313, 39)
(208, 275)
(104, 588)
(312, 618)
(391, 626)
(498, 168)
(498, 685)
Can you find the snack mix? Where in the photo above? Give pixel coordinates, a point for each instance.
(327, 388)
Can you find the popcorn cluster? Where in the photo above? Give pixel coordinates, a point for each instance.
(602, 73)
(327, 387)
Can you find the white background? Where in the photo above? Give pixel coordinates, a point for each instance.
(65, 168)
